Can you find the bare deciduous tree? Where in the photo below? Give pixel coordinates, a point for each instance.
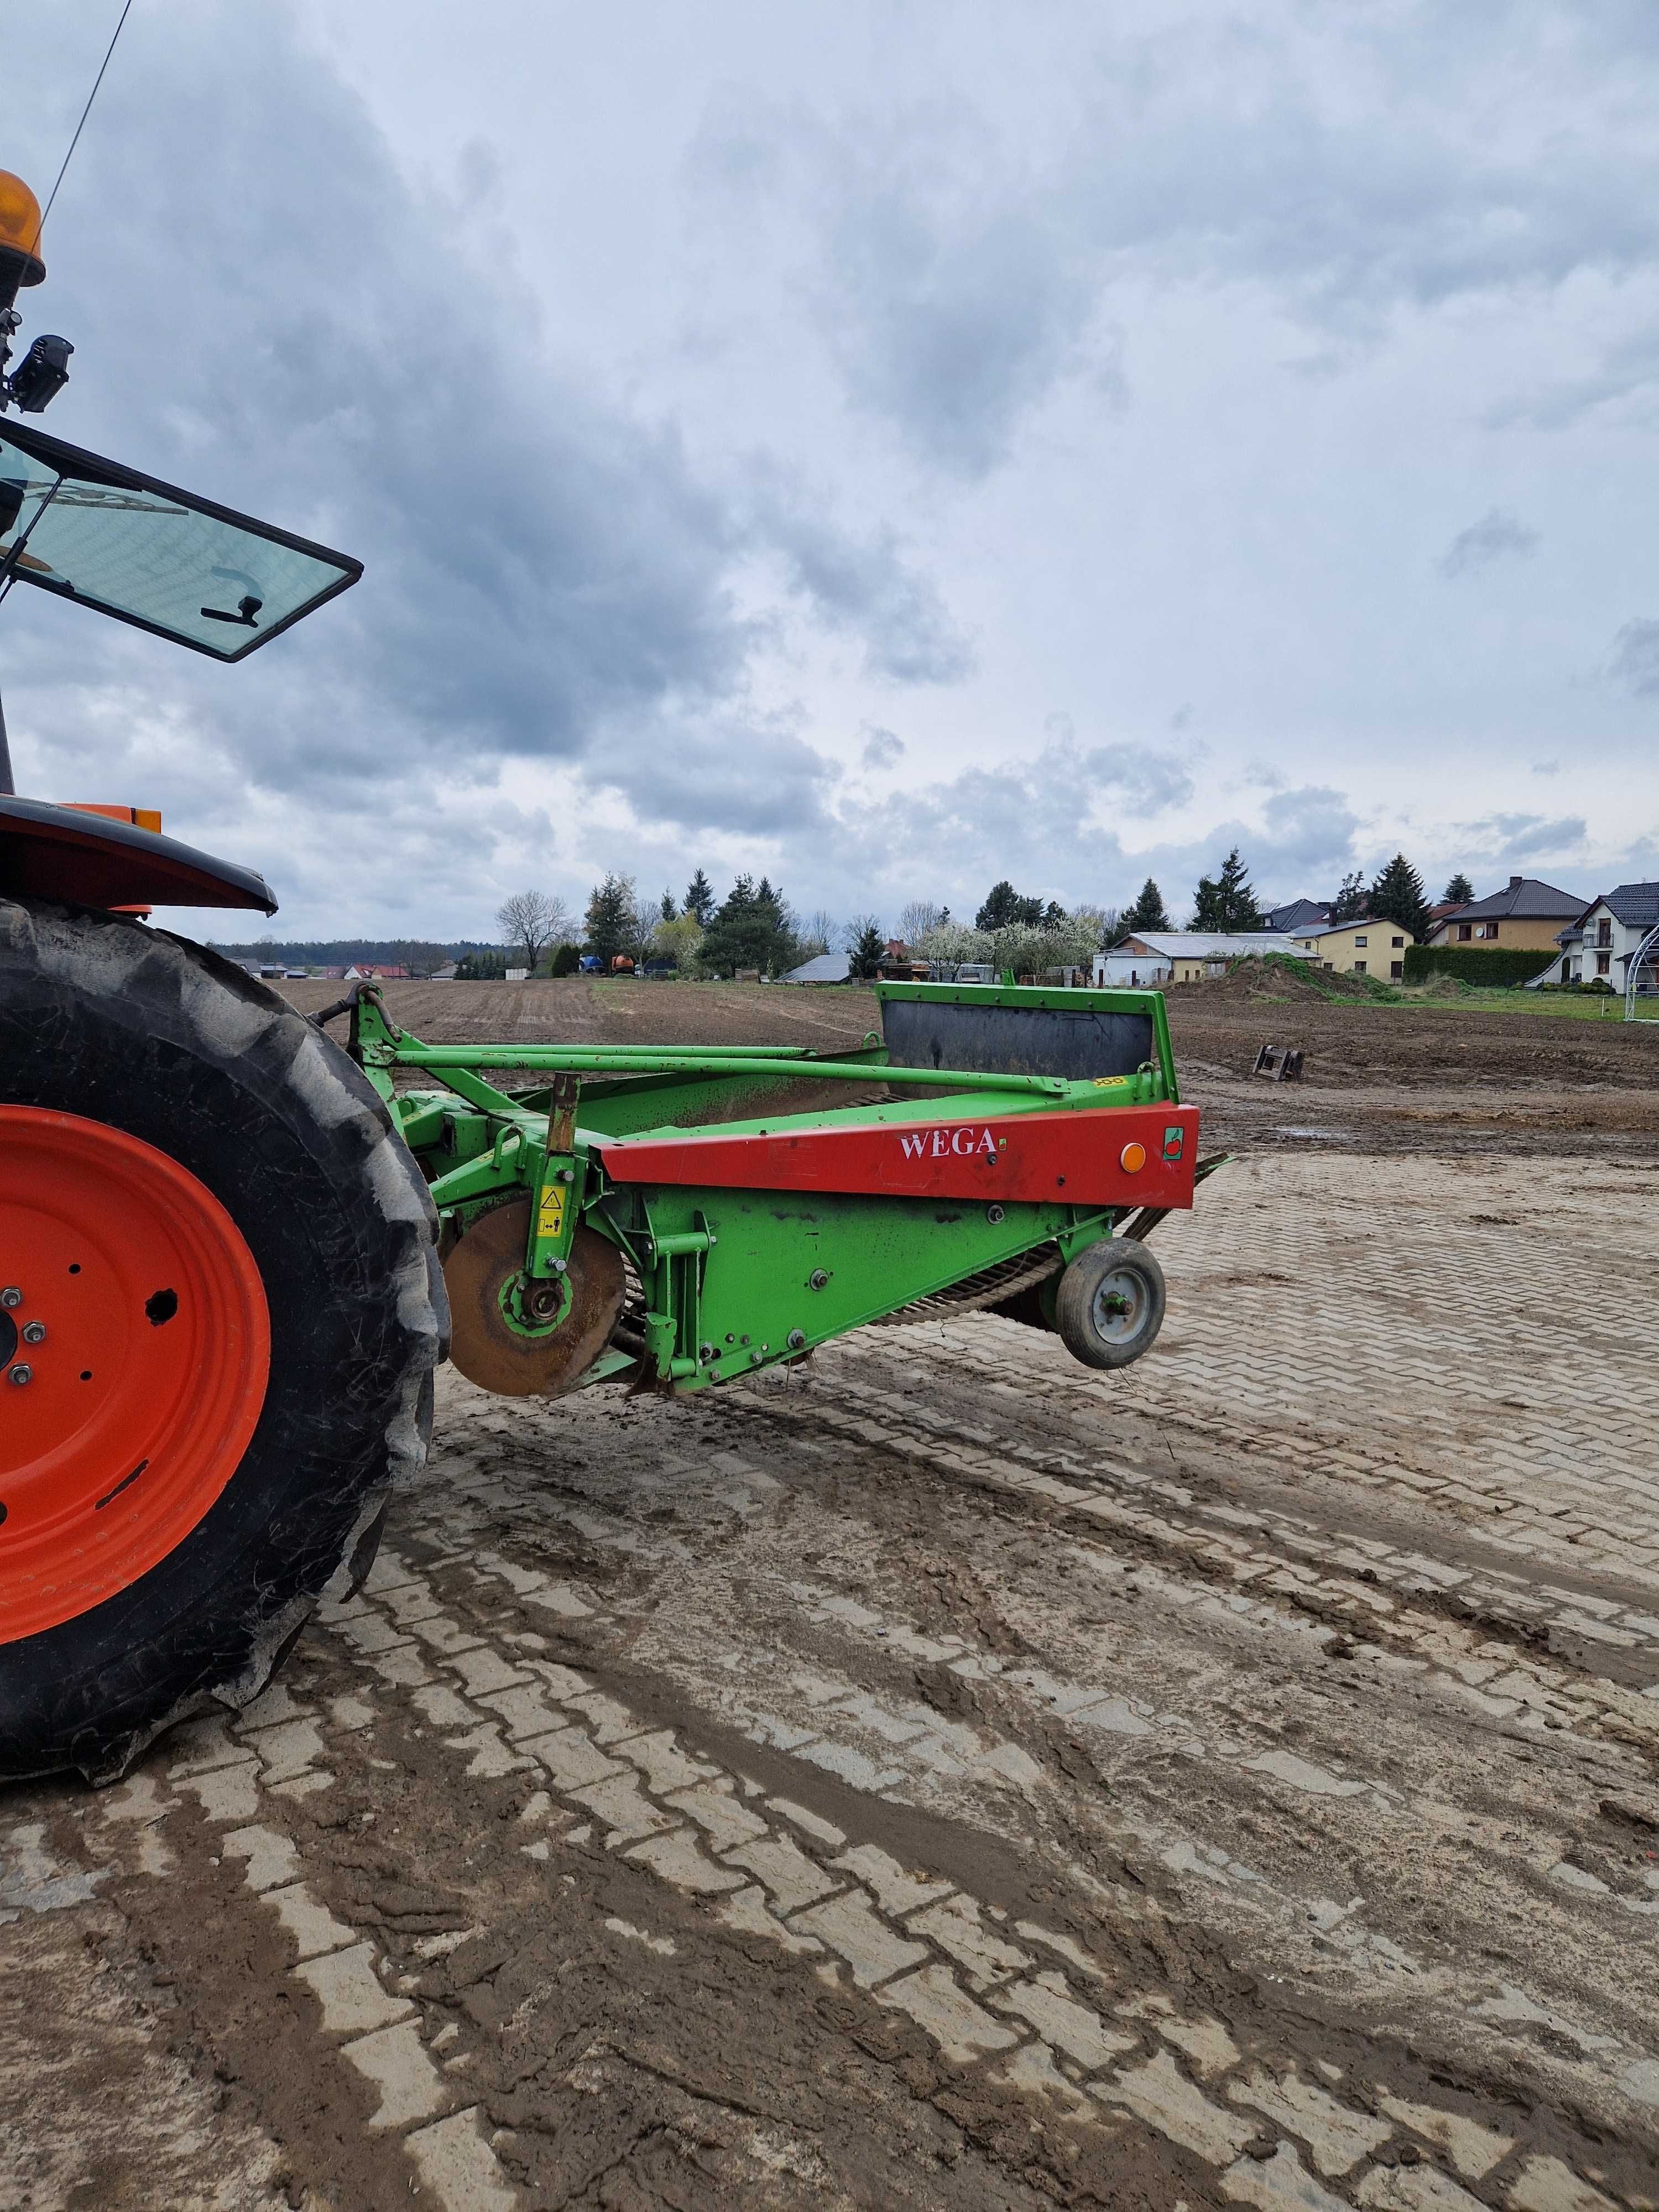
(818, 932)
(917, 919)
(533, 920)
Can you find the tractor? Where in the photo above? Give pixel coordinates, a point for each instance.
(235, 1247)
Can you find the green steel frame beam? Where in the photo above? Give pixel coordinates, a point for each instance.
(733, 1279)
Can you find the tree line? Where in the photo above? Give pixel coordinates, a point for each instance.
(755, 928)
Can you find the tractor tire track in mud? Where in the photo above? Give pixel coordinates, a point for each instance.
(931, 1775)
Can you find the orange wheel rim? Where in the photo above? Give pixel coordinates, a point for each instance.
(135, 1350)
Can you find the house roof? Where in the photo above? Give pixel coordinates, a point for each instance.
(1359, 921)
(1296, 914)
(1210, 944)
(1636, 905)
(827, 968)
(1524, 899)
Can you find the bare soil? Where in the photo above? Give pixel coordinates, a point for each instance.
(1376, 1076)
(941, 1776)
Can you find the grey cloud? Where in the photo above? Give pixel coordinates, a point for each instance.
(1310, 833)
(1141, 782)
(1329, 160)
(864, 586)
(545, 575)
(950, 318)
(1547, 768)
(1628, 370)
(946, 285)
(882, 748)
(1501, 837)
(1497, 532)
(1034, 820)
(747, 778)
(1028, 819)
(1635, 659)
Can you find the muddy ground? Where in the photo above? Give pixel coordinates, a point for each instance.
(940, 1776)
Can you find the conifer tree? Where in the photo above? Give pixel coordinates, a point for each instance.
(1460, 891)
(751, 929)
(1226, 903)
(1004, 907)
(1397, 895)
(699, 901)
(1352, 902)
(1147, 912)
(610, 923)
(867, 950)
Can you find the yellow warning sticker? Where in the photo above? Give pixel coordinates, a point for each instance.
(549, 1212)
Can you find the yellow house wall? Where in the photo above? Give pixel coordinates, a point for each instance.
(1342, 948)
(1512, 936)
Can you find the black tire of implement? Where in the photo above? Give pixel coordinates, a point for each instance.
(1074, 1302)
(126, 1024)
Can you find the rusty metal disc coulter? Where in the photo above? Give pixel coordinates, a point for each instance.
(495, 1340)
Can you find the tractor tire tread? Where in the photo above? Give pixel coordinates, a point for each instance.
(102, 1016)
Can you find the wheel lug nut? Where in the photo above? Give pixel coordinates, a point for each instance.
(35, 1332)
(22, 1373)
(11, 1296)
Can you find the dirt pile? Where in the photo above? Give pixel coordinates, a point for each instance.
(1277, 977)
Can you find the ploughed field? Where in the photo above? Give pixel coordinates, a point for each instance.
(938, 1775)
(1376, 1076)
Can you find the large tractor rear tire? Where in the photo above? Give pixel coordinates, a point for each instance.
(220, 1310)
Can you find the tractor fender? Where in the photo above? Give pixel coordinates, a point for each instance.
(90, 860)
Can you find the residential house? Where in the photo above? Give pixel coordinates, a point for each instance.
(1195, 954)
(1605, 937)
(825, 968)
(1366, 947)
(1132, 971)
(1525, 916)
(898, 964)
(1300, 913)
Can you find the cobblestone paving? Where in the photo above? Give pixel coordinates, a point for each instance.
(937, 1775)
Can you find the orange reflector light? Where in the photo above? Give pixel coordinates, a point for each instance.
(1133, 1158)
(20, 227)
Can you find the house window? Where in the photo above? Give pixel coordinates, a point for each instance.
(1604, 933)
(1396, 942)
(1491, 930)
(1357, 942)
(1359, 965)
(1603, 961)
(1396, 971)
(1465, 931)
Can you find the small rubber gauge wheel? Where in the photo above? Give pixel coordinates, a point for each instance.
(1109, 1307)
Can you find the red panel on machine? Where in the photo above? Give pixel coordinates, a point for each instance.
(1073, 1159)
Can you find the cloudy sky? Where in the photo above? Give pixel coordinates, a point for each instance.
(890, 446)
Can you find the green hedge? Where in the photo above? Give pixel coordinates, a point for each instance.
(1492, 970)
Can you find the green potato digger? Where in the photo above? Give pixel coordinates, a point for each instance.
(235, 1246)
